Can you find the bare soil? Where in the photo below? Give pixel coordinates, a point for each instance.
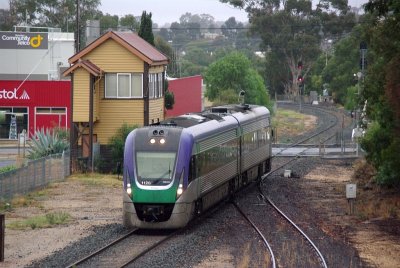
(89, 205)
(376, 239)
(375, 234)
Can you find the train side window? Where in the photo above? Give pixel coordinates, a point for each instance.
(192, 169)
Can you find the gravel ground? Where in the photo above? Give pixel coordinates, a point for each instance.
(314, 199)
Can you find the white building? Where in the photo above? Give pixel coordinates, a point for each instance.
(35, 55)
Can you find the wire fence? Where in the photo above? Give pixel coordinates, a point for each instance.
(35, 174)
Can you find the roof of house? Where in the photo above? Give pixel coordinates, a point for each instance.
(87, 65)
(132, 42)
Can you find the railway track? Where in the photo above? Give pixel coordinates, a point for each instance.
(125, 250)
(107, 256)
(194, 243)
(260, 234)
(323, 134)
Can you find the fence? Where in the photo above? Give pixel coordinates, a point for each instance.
(35, 174)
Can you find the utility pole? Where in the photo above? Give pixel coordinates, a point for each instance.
(77, 30)
(360, 75)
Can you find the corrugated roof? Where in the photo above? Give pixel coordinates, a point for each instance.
(142, 46)
(87, 65)
(131, 41)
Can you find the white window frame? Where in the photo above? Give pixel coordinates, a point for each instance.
(141, 84)
(155, 85)
(105, 86)
(130, 76)
(129, 87)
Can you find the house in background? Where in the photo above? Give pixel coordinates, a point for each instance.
(188, 94)
(117, 79)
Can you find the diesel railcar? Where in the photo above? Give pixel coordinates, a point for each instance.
(182, 166)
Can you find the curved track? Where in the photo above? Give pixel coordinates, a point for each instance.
(259, 232)
(107, 255)
(324, 133)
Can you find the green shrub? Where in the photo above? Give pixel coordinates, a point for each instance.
(7, 169)
(169, 100)
(383, 150)
(117, 143)
(389, 170)
(46, 143)
(41, 221)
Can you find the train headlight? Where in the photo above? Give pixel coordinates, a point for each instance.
(152, 141)
(179, 191)
(129, 189)
(162, 141)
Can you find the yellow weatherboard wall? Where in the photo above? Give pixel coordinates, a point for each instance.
(81, 95)
(114, 113)
(111, 57)
(156, 110)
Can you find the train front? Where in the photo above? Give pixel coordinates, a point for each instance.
(156, 166)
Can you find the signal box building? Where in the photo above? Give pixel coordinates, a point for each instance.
(188, 95)
(117, 79)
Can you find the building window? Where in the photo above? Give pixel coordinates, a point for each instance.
(12, 122)
(50, 110)
(155, 85)
(124, 85)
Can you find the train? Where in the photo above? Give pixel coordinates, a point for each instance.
(180, 167)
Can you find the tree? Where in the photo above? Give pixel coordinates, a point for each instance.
(117, 144)
(341, 69)
(381, 91)
(226, 77)
(108, 22)
(53, 13)
(130, 22)
(145, 30)
(230, 28)
(291, 31)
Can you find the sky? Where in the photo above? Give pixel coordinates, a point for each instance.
(168, 11)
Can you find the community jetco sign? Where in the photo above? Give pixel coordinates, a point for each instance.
(19, 40)
(7, 94)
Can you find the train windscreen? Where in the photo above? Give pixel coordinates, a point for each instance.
(155, 168)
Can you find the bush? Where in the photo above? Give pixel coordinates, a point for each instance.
(7, 169)
(389, 170)
(45, 143)
(117, 143)
(383, 150)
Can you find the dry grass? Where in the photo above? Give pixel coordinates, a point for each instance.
(96, 179)
(33, 198)
(41, 221)
(29, 200)
(374, 201)
(289, 123)
(245, 261)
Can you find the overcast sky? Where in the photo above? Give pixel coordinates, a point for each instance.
(167, 11)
